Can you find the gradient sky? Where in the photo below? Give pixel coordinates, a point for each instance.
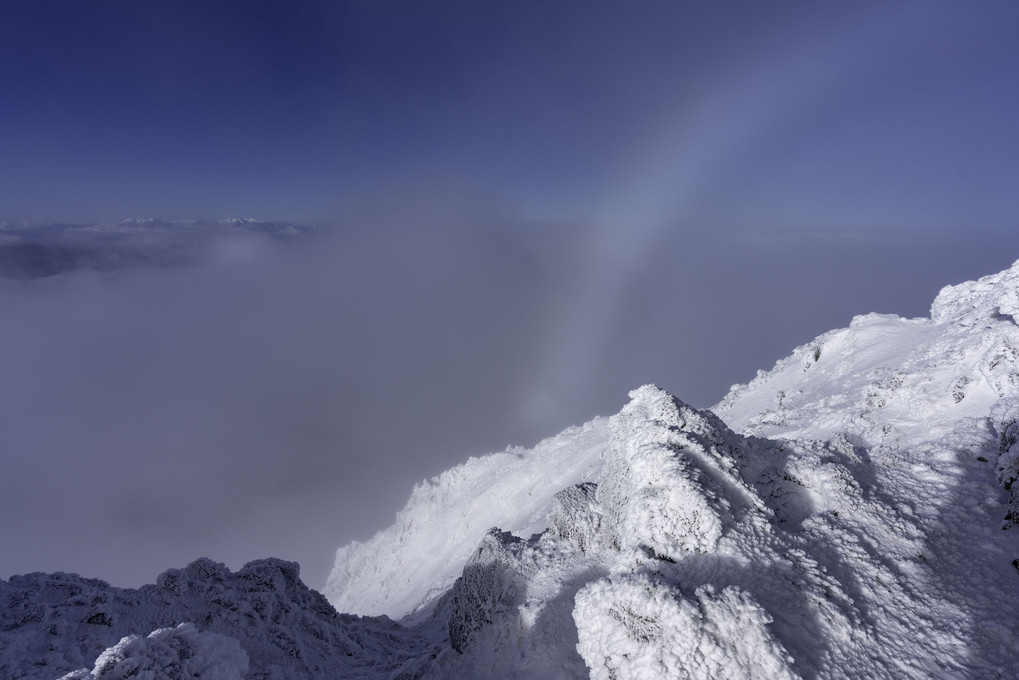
(795, 115)
(533, 208)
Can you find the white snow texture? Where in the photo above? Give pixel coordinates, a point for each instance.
(847, 514)
(170, 654)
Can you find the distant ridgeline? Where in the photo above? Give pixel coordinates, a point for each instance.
(32, 250)
(840, 516)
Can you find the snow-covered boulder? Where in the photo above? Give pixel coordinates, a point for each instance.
(180, 653)
(511, 610)
(576, 515)
(640, 628)
(1005, 417)
(669, 484)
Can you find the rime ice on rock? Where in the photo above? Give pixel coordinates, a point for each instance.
(645, 629)
(991, 297)
(702, 553)
(180, 653)
(1006, 421)
(488, 588)
(53, 624)
(671, 508)
(669, 483)
(576, 515)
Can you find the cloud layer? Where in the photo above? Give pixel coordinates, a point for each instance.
(280, 399)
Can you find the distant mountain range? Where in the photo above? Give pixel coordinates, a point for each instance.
(33, 249)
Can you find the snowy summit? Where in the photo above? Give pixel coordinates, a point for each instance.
(845, 515)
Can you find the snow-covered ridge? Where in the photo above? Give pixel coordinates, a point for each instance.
(869, 516)
(900, 384)
(891, 380)
(668, 493)
(55, 624)
(706, 554)
(405, 567)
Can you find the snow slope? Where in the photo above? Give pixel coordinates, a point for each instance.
(852, 529)
(707, 554)
(403, 568)
(892, 381)
(840, 516)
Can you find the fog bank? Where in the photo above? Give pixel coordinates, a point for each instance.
(280, 399)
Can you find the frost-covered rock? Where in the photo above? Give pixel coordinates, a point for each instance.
(891, 383)
(1005, 417)
(669, 483)
(768, 585)
(488, 589)
(642, 629)
(180, 653)
(994, 297)
(576, 515)
(53, 624)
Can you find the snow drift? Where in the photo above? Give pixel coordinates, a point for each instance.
(840, 516)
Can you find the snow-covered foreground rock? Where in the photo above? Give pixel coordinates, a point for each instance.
(701, 553)
(170, 653)
(201, 621)
(845, 515)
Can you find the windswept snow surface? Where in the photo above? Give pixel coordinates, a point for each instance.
(934, 403)
(404, 568)
(845, 515)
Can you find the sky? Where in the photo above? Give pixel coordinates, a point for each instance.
(848, 115)
(523, 210)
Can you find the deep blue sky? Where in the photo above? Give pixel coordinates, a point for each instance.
(739, 114)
